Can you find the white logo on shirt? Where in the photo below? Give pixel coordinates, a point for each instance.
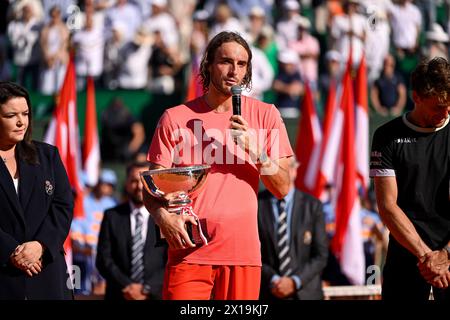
(405, 140)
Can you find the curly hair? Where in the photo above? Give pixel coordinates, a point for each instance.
(432, 78)
(210, 52)
(25, 148)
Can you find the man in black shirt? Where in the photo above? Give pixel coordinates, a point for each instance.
(410, 164)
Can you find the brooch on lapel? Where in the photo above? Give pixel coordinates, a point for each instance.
(307, 237)
(48, 187)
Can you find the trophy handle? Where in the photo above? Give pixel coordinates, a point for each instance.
(181, 204)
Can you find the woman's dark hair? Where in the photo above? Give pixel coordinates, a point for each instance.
(210, 52)
(25, 148)
(432, 78)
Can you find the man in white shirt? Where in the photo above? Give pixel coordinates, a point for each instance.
(262, 74)
(90, 42)
(378, 36)
(406, 21)
(23, 34)
(349, 31)
(126, 13)
(286, 29)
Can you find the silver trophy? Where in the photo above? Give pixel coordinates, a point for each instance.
(176, 187)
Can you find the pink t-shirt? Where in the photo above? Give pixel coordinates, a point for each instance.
(193, 134)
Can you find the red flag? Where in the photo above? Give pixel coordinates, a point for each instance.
(309, 139)
(63, 133)
(362, 125)
(347, 242)
(332, 128)
(91, 147)
(194, 89)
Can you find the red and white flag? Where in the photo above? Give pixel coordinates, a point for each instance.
(309, 140)
(332, 129)
(63, 133)
(362, 125)
(91, 147)
(347, 244)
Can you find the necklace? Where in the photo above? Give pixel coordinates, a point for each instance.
(5, 159)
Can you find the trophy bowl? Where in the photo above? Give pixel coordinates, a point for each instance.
(176, 187)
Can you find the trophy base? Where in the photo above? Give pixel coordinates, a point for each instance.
(192, 230)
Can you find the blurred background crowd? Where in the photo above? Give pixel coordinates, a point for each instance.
(151, 44)
(143, 55)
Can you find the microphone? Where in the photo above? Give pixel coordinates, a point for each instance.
(236, 99)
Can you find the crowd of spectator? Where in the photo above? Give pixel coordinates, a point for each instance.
(151, 44)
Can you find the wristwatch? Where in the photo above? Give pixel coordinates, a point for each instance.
(263, 158)
(146, 289)
(447, 248)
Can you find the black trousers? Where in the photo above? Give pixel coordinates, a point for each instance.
(402, 279)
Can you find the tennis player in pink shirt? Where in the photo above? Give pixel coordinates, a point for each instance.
(241, 149)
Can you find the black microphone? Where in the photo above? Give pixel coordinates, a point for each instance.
(236, 99)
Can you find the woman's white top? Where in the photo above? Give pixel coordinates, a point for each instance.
(16, 184)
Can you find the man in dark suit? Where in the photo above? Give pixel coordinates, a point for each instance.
(126, 254)
(293, 255)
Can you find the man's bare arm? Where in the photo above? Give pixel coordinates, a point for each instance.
(395, 219)
(274, 173)
(275, 176)
(430, 265)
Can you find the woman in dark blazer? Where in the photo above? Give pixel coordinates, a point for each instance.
(36, 205)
